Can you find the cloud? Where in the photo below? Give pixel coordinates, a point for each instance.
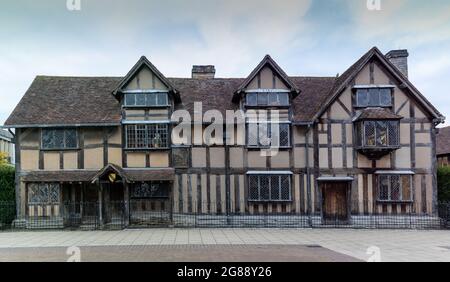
(403, 22)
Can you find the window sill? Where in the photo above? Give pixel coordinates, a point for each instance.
(58, 150)
(269, 201)
(145, 107)
(268, 148)
(394, 202)
(147, 149)
(267, 106)
(365, 107)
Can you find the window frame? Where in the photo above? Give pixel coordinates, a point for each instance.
(47, 186)
(161, 185)
(270, 191)
(379, 93)
(362, 127)
(64, 148)
(146, 104)
(401, 196)
(258, 123)
(147, 137)
(267, 104)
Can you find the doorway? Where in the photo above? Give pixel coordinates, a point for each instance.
(335, 208)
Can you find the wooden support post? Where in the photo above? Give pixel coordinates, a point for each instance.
(100, 204)
(126, 198)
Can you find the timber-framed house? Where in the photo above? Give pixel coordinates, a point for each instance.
(351, 145)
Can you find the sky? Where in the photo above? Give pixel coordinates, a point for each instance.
(305, 37)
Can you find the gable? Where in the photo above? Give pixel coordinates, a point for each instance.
(145, 79)
(374, 69)
(266, 78)
(267, 75)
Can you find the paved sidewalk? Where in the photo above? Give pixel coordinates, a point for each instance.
(394, 245)
(177, 253)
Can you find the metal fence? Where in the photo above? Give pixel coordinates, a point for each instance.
(163, 213)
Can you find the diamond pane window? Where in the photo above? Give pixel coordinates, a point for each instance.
(269, 188)
(43, 193)
(394, 188)
(59, 139)
(380, 133)
(180, 157)
(149, 190)
(253, 187)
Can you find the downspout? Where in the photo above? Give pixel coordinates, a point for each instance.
(308, 173)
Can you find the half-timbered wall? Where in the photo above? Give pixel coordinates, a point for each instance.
(144, 80)
(337, 157)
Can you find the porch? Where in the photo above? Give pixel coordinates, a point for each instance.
(111, 198)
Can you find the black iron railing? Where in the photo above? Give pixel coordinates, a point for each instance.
(165, 213)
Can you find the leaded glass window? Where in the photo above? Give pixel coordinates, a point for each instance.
(394, 187)
(43, 193)
(266, 188)
(147, 136)
(149, 190)
(59, 139)
(180, 157)
(268, 134)
(379, 133)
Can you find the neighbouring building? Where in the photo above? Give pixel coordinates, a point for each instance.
(7, 145)
(443, 146)
(351, 145)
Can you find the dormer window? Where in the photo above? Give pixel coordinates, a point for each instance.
(156, 99)
(264, 99)
(374, 97)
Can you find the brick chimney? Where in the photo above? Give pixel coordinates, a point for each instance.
(400, 59)
(203, 72)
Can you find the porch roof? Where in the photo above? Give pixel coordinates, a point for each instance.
(59, 176)
(130, 175)
(162, 174)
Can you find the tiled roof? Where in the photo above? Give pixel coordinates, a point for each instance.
(376, 113)
(443, 141)
(53, 100)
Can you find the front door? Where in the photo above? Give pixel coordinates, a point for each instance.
(334, 202)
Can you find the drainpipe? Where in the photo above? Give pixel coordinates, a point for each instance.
(308, 172)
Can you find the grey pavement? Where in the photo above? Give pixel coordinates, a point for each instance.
(387, 245)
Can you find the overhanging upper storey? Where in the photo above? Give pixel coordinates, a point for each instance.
(270, 80)
(143, 78)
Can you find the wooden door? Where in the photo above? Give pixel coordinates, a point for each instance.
(334, 202)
